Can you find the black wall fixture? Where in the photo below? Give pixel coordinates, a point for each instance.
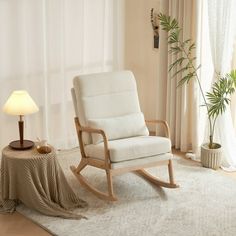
(155, 27)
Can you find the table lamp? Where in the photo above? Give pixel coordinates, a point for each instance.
(20, 103)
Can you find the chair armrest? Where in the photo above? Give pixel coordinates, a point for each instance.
(95, 131)
(80, 129)
(162, 122)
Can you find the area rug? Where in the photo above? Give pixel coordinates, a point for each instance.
(204, 205)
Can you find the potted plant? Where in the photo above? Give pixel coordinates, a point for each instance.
(215, 101)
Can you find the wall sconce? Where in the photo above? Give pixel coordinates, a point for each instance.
(155, 27)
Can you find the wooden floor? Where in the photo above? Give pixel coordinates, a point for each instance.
(17, 225)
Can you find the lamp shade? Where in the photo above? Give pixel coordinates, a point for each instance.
(20, 103)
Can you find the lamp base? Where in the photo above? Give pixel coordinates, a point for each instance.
(27, 144)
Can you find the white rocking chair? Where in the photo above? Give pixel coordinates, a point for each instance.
(112, 132)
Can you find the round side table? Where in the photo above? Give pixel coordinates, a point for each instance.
(38, 181)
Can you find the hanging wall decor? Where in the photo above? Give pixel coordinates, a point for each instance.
(155, 27)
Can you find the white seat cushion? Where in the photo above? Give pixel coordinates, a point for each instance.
(130, 148)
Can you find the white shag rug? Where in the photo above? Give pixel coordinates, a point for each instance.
(204, 205)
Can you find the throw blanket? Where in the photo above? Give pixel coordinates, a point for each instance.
(37, 181)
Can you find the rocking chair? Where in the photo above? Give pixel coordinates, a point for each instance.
(112, 131)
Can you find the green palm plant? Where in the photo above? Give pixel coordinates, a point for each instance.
(215, 101)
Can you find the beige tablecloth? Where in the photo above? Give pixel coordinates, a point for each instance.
(38, 181)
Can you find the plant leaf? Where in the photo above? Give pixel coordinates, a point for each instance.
(177, 62)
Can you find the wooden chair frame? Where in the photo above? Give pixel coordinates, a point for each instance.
(106, 164)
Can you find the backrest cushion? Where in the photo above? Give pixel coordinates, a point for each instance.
(119, 127)
(105, 95)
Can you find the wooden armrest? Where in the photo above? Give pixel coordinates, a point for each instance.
(162, 122)
(93, 130)
(80, 129)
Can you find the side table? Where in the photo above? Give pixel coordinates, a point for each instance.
(38, 181)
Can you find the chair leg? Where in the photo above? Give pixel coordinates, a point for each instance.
(83, 181)
(158, 182)
(110, 183)
(170, 170)
(80, 167)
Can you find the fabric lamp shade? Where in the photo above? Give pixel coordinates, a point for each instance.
(20, 103)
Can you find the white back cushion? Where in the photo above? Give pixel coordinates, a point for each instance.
(105, 95)
(119, 127)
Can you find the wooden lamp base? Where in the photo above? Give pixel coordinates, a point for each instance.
(27, 144)
(21, 144)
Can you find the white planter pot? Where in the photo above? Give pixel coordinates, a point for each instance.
(211, 158)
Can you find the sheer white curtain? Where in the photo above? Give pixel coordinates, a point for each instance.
(181, 103)
(43, 45)
(222, 31)
(233, 98)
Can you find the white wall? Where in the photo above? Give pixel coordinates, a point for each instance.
(142, 58)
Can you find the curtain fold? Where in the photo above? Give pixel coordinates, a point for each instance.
(182, 102)
(43, 45)
(222, 14)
